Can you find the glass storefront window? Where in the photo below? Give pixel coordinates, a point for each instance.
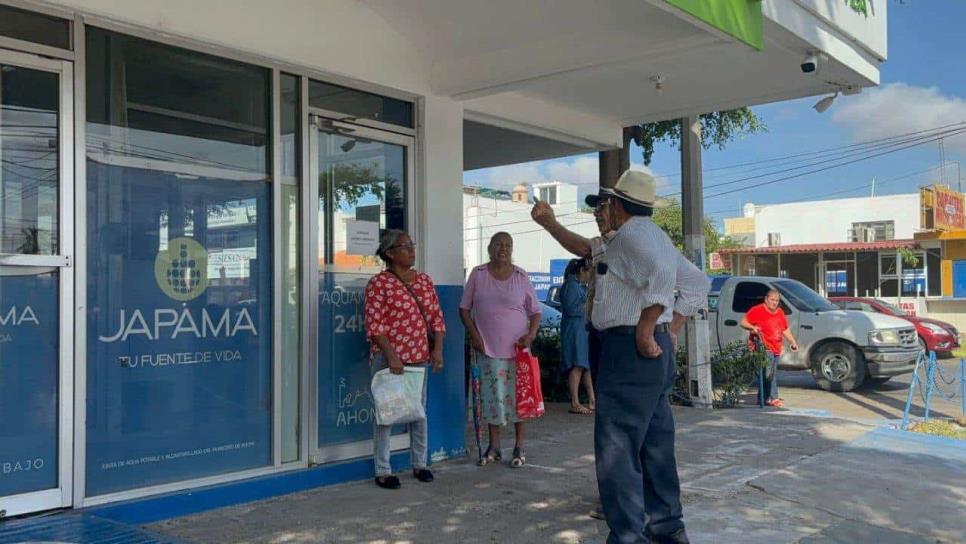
(801, 267)
(360, 104)
(34, 27)
(179, 242)
(867, 265)
(914, 276)
(29, 154)
(766, 265)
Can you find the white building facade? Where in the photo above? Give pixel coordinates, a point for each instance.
(846, 220)
(177, 175)
(881, 247)
(533, 248)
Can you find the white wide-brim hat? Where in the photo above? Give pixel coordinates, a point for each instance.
(640, 188)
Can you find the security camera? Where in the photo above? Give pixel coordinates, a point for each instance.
(810, 63)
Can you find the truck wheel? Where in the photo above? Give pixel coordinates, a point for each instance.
(837, 366)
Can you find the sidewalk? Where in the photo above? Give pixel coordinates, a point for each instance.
(749, 476)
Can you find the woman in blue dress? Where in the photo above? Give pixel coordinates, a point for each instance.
(574, 359)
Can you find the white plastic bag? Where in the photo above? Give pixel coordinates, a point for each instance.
(398, 398)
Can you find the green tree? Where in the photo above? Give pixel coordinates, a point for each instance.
(670, 219)
(717, 129)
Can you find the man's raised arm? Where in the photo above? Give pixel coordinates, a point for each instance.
(543, 214)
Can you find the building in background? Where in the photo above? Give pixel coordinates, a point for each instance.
(742, 229)
(908, 249)
(487, 212)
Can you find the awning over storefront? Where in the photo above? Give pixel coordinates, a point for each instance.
(824, 248)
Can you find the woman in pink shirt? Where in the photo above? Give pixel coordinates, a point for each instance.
(501, 313)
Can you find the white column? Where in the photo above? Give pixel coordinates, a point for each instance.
(440, 203)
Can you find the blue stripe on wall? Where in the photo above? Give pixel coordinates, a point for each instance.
(446, 398)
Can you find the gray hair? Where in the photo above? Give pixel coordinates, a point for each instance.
(386, 241)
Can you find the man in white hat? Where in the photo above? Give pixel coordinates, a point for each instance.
(636, 312)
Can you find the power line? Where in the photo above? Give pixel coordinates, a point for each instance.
(864, 143)
(839, 192)
(823, 169)
(897, 144)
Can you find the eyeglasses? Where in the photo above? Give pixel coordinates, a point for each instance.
(409, 246)
(602, 203)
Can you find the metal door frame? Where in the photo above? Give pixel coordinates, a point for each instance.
(62, 495)
(823, 269)
(321, 120)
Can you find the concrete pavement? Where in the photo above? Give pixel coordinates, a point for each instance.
(749, 476)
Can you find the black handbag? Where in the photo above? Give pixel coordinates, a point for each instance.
(430, 333)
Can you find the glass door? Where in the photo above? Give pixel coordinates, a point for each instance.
(361, 182)
(36, 283)
(839, 278)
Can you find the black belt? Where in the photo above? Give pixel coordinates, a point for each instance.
(628, 330)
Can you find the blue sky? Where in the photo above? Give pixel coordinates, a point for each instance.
(923, 85)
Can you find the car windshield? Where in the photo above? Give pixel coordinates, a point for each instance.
(892, 307)
(803, 298)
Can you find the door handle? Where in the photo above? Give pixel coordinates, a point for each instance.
(807, 327)
(731, 323)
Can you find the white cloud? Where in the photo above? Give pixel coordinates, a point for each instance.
(899, 108)
(506, 177)
(580, 171)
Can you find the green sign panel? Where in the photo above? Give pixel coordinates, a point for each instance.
(741, 19)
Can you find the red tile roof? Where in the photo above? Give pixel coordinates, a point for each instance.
(815, 248)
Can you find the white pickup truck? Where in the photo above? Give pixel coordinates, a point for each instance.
(841, 348)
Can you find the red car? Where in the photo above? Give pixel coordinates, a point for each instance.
(934, 335)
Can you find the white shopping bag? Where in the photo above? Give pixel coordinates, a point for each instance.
(398, 398)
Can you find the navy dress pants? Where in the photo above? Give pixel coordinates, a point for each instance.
(634, 440)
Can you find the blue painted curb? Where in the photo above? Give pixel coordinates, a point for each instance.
(193, 501)
(902, 441)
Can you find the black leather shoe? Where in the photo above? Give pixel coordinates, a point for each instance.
(423, 475)
(388, 482)
(677, 537)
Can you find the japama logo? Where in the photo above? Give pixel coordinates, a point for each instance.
(181, 270)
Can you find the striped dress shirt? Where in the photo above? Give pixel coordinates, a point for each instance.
(598, 246)
(643, 269)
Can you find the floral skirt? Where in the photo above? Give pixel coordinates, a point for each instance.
(498, 389)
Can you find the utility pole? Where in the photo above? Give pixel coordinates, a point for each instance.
(942, 162)
(873, 186)
(700, 387)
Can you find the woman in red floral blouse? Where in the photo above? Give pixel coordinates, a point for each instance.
(401, 308)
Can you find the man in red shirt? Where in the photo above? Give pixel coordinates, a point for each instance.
(767, 322)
